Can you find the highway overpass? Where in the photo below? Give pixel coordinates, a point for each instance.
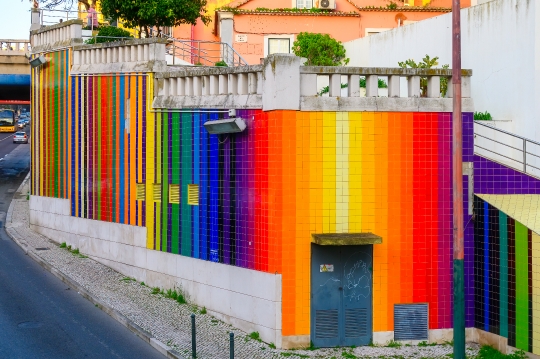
(14, 71)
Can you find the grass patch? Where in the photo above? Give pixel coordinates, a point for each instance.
(156, 290)
(63, 245)
(203, 311)
(348, 355)
(393, 344)
(142, 283)
(272, 346)
(487, 352)
(75, 251)
(255, 336)
(426, 344)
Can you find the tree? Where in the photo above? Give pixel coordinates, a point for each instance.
(147, 14)
(320, 50)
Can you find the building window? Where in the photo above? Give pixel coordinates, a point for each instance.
(304, 4)
(279, 46)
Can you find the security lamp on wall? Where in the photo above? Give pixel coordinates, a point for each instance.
(38, 61)
(225, 126)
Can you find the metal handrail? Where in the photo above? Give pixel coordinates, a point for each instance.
(523, 162)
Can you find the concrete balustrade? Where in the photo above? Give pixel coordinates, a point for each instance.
(8, 47)
(63, 34)
(283, 83)
(141, 55)
(219, 87)
(350, 77)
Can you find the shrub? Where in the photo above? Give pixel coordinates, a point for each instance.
(221, 63)
(482, 116)
(426, 63)
(320, 50)
(109, 34)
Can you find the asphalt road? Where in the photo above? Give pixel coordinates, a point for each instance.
(6, 142)
(40, 317)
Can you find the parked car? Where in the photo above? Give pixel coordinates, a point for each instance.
(20, 137)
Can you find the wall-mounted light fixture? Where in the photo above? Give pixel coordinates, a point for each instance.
(38, 61)
(229, 125)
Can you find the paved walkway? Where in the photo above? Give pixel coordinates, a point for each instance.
(162, 321)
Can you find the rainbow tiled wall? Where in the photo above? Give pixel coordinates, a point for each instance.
(507, 277)
(263, 192)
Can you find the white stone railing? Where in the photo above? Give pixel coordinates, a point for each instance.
(144, 55)
(350, 76)
(14, 47)
(211, 81)
(57, 35)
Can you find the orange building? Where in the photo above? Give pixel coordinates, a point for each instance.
(258, 28)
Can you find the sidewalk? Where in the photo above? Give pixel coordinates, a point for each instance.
(163, 322)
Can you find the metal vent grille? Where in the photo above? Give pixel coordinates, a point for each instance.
(156, 190)
(326, 324)
(141, 191)
(174, 193)
(411, 322)
(356, 322)
(193, 194)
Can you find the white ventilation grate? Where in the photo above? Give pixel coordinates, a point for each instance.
(411, 322)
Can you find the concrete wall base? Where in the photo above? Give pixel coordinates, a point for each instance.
(247, 299)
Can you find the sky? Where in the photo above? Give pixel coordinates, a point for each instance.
(15, 19)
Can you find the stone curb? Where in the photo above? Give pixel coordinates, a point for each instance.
(141, 333)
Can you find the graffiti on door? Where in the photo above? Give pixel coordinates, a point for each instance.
(357, 277)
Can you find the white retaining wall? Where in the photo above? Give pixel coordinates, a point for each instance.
(247, 299)
(500, 43)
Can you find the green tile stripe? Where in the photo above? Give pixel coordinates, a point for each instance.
(522, 287)
(175, 161)
(503, 278)
(165, 178)
(187, 148)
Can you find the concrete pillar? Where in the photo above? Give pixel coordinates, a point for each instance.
(433, 87)
(206, 85)
(233, 84)
(181, 86)
(413, 86)
(242, 84)
(197, 86)
(353, 88)
(133, 54)
(109, 55)
(214, 85)
(223, 84)
(146, 52)
(173, 87)
(140, 52)
(335, 85)
(166, 85)
(393, 86)
(252, 83)
(93, 56)
(121, 54)
(281, 88)
(188, 86)
(372, 86)
(115, 51)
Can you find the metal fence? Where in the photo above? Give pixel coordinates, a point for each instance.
(507, 148)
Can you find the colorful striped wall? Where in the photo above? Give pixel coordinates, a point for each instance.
(91, 131)
(290, 174)
(262, 193)
(507, 277)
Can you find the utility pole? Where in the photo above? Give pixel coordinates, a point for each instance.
(457, 169)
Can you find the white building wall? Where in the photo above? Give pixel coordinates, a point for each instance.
(247, 299)
(500, 43)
